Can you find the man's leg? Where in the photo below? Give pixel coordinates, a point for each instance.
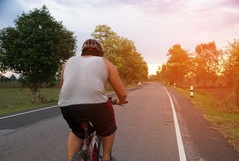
(107, 146)
(74, 144)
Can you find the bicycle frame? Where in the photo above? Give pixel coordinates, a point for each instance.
(92, 142)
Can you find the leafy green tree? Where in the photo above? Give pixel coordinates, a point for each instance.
(161, 73)
(232, 67)
(111, 43)
(135, 69)
(178, 65)
(122, 52)
(207, 62)
(35, 48)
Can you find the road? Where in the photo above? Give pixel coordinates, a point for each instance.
(158, 124)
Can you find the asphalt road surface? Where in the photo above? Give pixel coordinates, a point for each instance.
(158, 124)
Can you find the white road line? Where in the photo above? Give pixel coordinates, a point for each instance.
(41, 109)
(23, 113)
(181, 151)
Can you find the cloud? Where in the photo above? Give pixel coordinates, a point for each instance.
(154, 25)
(230, 3)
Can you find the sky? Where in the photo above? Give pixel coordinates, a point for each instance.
(153, 25)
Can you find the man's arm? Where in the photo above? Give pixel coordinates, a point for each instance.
(116, 83)
(62, 75)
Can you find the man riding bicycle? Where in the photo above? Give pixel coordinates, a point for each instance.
(82, 96)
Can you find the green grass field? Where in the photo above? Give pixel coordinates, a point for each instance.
(16, 99)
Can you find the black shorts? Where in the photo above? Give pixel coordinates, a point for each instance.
(100, 115)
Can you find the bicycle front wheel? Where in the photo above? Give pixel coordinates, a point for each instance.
(80, 156)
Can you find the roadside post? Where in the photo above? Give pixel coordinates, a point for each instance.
(191, 91)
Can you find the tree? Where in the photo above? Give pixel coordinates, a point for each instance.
(35, 48)
(207, 60)
(133, 68)
(178, 64)
(232, 67)
(111, 43)
(161, 73)
(122, 52)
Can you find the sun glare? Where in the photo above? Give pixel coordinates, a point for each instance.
(153, 68)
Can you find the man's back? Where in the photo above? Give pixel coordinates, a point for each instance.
(84, 80)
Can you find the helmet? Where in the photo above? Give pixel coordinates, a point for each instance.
(90, 44)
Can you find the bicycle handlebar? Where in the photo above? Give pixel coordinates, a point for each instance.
(114, 101)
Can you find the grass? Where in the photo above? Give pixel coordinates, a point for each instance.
(15, 99)
(216, 111)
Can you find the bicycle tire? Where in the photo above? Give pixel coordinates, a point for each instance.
(80, 156)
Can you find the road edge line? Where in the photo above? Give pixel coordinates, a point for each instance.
(40, 109)
(181, 150)
(23, 113)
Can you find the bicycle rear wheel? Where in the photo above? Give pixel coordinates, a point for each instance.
(80, 156)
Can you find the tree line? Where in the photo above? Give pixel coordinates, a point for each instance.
(207, 66)
(39, 45)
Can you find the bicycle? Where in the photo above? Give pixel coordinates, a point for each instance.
(92, 143)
